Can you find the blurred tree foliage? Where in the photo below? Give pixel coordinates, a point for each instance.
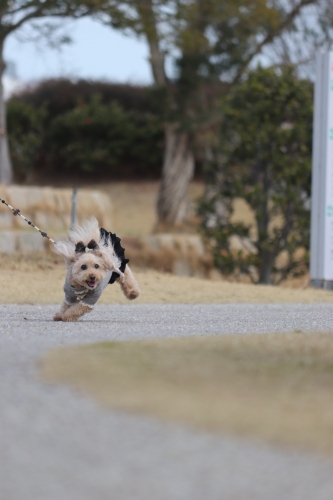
(26, 133)
(194, 45)
(14, 14)
(264, 157)
(106, 129)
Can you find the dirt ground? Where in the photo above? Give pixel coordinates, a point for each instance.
(276, 388)
(39, 279)
(45, 287)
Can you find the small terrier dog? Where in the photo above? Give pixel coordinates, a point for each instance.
(94, 258)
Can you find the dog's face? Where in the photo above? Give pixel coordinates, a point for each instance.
(90, 268)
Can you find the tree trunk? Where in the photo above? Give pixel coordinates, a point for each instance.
(178, 162)
(6, 174)
(157, 63)
(178, 170)
(265, 270)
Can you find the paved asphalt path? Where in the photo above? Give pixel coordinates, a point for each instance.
(57, 445)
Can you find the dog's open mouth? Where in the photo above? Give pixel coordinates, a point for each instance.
(91, 284)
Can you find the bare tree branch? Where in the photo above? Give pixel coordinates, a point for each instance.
(269, 38)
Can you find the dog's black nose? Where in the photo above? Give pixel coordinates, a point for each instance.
(92, 277)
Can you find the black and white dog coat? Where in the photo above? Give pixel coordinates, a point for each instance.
(84, 295)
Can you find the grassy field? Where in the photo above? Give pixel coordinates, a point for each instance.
(275, 388)
(39, 279)
(28, 277)
(135, 206)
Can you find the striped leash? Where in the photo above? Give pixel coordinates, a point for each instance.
(17, 211)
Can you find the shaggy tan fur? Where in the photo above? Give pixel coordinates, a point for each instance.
(129, 284)
(80, 277)
(60, 314)
(86, 270)
(72, 313)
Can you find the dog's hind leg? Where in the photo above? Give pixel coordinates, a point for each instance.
(129, 285)
(59, 315)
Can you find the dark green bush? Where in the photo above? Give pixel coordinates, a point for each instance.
(264, 157)
(92, 127)
(26, 134)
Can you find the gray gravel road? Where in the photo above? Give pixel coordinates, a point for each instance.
(57, 445)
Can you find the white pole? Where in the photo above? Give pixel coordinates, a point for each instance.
(321, 245)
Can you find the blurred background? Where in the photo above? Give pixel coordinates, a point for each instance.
(186, 126)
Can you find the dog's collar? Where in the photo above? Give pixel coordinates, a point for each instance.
(80, 294)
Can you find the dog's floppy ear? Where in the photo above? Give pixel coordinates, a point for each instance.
(66, 249)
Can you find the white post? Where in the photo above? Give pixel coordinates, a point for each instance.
(321, 260)
(73, 218)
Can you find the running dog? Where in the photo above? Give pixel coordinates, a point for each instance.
(94, 259)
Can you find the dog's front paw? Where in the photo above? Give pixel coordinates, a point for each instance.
(68, 318)
(132, 294)
(57, 317)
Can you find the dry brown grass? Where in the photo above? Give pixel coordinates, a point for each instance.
(39, 279)
(135, 205)
(135, 217)
(277, 388)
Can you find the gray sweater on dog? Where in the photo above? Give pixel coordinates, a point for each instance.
(83, 295)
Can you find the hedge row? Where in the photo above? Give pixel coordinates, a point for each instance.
(95, 127)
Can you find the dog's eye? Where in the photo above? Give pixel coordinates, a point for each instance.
(96, 266)
(83, 267)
